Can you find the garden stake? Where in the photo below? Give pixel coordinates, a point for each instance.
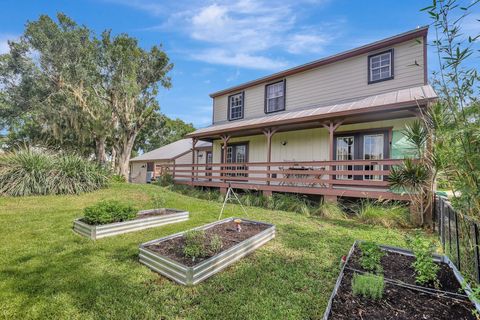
(228, 197)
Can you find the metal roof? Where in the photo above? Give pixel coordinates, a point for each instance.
(388, 101)
(171, 151)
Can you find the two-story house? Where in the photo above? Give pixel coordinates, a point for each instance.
(330, 127)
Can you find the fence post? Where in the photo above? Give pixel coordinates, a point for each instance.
(457, 239)
(449, 229)
(475, 248)
(434, 213)
(442, 226)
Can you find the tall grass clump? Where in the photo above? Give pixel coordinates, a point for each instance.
(387, 214)
(34, 172)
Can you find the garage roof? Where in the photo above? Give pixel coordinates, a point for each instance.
(171, 151)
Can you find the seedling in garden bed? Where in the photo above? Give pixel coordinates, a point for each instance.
(368, 285)
(371, 256)
(425, 268)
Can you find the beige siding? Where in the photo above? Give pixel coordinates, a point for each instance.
(301, 145)
(343, 80)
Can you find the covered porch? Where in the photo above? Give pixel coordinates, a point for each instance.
(341, 150)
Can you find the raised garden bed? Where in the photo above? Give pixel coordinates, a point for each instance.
(145, 219)
(402, 298)
(165, 255)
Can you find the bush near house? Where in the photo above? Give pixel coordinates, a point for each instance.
(39, 172)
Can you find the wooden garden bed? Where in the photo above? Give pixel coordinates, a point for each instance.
(403, 298)
(165, 255)
(145, 219)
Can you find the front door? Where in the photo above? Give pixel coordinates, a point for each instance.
(373, 149)
(237, 153)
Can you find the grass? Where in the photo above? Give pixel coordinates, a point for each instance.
(49, 272)
(387, 214)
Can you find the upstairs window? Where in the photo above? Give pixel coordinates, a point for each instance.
(275, 97)
(380, 66)
(235, 106)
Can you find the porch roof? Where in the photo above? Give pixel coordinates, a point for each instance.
(379, 104)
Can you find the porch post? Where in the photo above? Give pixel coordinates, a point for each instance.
(269, 134)
(194, 142)
(331, 127)
(225, 140)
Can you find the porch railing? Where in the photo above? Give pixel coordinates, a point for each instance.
(291, 175)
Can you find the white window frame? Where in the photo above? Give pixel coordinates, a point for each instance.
(280, 94)
(230, 105)
(346, 166)
(380, 66)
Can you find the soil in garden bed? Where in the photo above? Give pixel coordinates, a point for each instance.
(399, 302)
(173, 248)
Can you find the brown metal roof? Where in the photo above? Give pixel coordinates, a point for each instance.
(388, 101)
(412, 34)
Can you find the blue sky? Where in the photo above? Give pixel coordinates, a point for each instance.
(218, 44)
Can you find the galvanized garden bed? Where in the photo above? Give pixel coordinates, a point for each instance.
(100, 231)
(193, 275)
(436, 257)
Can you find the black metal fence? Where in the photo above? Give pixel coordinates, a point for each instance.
(459, 235)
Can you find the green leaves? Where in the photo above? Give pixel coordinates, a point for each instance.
(425, 268)
(110, 211)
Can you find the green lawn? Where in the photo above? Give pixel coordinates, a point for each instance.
(47, 271)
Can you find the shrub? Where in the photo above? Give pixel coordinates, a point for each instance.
(216, 243)
(194, 244)
(368, 285)
(117, 178)
(425, 268)
(108, 212)
(165, 180)
(371, 257)
(387, 214)
(33, 172)
(330, 210)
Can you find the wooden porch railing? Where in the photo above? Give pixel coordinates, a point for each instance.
(318, 177)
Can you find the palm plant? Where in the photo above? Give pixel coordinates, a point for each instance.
(416, 177)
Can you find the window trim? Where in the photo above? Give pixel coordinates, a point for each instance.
(230, 106)
(369, 59)
(265, 109)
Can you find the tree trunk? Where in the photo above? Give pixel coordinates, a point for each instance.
(100, 154)
(114, 159)
(124, 152)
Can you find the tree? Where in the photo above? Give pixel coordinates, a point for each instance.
(456, 115)
(131, 78)
(161, 130)
(49, 75)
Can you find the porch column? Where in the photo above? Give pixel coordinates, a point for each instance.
(194, 142)
(331, 127)
(225, 140)
(269, 134)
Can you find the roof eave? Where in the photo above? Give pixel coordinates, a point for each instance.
(387, 107)
(412, 34)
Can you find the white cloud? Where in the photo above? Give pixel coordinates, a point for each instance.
(243, 60)
(244, 33)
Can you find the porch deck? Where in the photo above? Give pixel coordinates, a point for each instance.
(355, 178)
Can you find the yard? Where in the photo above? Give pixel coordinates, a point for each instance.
(47, 271)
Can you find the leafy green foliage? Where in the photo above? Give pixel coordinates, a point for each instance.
(194, 244)
(116, 178)
(111, 211)
(34, 172)
(425, 268)
(216, 243)
(371, 256)
(164, 180)
(388, 214)
(368, 285)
